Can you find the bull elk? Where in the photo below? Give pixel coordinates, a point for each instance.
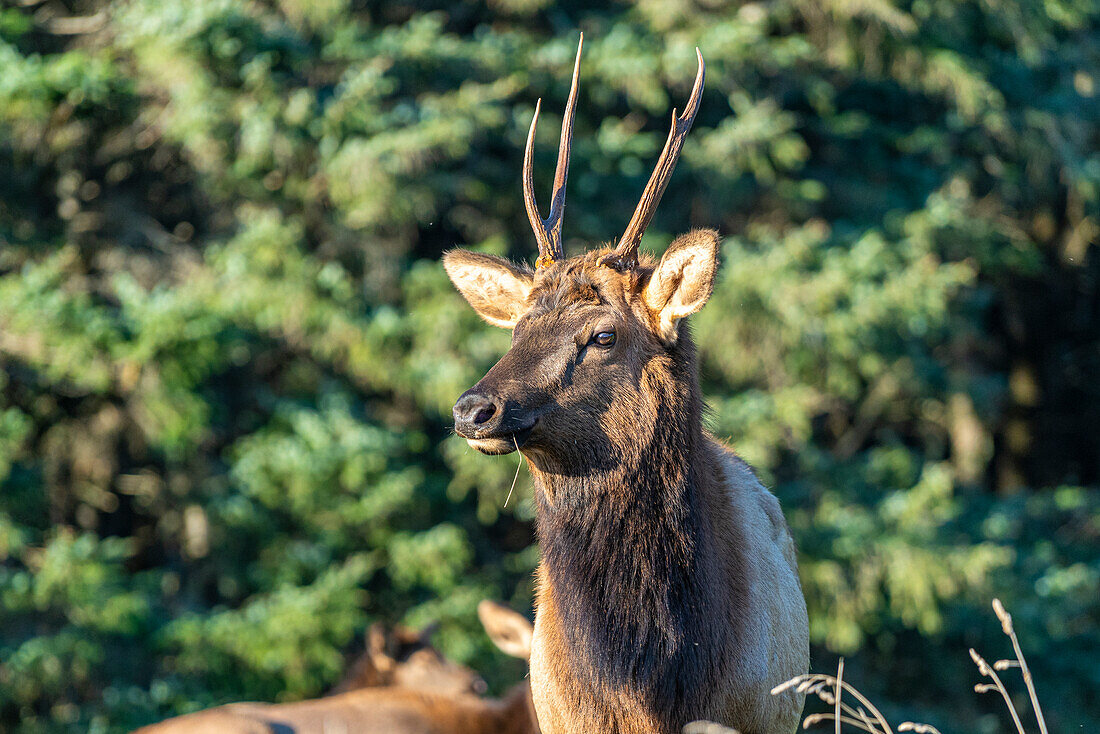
(418, 707)
(667, 588)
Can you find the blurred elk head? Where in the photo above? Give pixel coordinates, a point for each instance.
(598, 337)
(404, 657)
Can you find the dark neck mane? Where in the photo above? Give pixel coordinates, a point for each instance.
(628, 556)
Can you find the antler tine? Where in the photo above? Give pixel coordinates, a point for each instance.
(565, 150)
(541, 235)
(625, 255)
(548, 231)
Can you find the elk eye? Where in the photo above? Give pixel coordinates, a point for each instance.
(604, 338)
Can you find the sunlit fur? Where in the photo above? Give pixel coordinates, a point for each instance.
(668, 588)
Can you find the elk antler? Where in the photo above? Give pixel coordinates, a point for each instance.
(625, 255)
(548, 231)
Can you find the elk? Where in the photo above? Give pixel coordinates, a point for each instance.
(399, 709)
(667, 589)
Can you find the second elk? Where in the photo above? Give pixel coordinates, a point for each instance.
(421, 706)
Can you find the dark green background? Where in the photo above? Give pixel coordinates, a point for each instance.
(228, 351)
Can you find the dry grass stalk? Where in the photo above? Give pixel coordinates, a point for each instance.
(1020, 661)
(830, 689)
(985, 669)
(866, 717)
(839, 694)
(990, 671)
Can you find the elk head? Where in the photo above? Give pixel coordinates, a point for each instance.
(406, 658)
(597, 337)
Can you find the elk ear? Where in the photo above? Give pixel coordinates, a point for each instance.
(509, 630)
(378, 644)
(683, 280)
(495, 287)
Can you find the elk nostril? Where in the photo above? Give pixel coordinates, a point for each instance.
(485, 414)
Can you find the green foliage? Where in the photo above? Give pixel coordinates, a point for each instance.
(228, 352)
(277, 645)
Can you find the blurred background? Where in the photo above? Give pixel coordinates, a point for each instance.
(228, 351)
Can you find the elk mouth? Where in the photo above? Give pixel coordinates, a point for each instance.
(500, 444)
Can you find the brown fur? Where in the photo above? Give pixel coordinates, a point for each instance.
(392, 709)
(668, 587)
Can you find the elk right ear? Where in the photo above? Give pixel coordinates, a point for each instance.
(495, 287)
(683, 280)
(509, 630)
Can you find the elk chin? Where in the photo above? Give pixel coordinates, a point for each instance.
(501, 444)
(498, 446)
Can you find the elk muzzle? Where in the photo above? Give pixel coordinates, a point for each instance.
(483, 420)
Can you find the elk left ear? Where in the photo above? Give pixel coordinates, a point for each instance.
(683, 280)
(495, 287)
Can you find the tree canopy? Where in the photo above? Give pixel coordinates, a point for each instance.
(228, 351)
